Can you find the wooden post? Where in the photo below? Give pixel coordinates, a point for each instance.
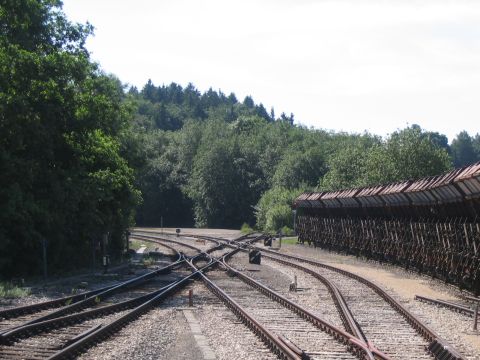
(475, 318)
(190, 297)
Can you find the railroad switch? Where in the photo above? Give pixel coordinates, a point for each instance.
(254, 257)
(293, 285)
(267, 241)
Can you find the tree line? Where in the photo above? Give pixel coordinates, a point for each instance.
(83, 156)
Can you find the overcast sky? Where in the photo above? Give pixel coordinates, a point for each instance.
(350, 65)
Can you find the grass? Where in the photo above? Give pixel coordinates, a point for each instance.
(8, 290)
(289, 240)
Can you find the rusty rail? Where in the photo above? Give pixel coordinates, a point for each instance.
(279, 347)
(107, 330)
(83, 300)
(446, 304)
(438, 346)
(359, 346)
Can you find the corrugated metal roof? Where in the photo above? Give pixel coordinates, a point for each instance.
(395, 187)
(469, 171)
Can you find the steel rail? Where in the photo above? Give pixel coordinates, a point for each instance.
(361, 347)
(92, 333)
(14, 312)
(17, 311)
(438, 346)
(9, 337)
(346, 315)
(98, 333)
(471, 298)
(107, 330)
(446, 304)
(276, 344)
(343, 309)
(97, 296)
(357, 346)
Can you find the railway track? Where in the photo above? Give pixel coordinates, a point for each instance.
(367, 315)
(330, 341)
(30, 314)
(380, 323)
(324, 332)
(386, 316)
(57, 335)
(290, 330)
(324, 328)
(459, 308)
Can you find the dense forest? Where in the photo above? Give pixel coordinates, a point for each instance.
(83, 156)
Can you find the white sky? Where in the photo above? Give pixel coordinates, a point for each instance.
(350, 65)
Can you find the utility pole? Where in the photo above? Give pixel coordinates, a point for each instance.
(93, 255)
(44, 245)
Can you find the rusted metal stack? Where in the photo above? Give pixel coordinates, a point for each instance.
(430, 224)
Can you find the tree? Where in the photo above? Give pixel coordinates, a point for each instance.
(476, 146)
(273, 210)
(62, 177)
(248, 102)
(407, 154)
(149, 91)
(463, 150)
(300, 169)
(272, 114)
(346, 164)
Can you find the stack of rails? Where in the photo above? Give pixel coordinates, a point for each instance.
(430, 224)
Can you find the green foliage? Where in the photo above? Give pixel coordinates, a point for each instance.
(465, 149)
(290, 240)
(148, 261)
(8, 291)
(246, 229)
(300, 169)
(76, 148)
(287, 231)
(273, 210)
(62, 121)
(346, 166)
(406, 154)
(413, 155)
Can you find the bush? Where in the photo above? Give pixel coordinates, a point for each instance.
(8, 290)
(273, 211)
(245, 229)
(278, 216)
(287, 231)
